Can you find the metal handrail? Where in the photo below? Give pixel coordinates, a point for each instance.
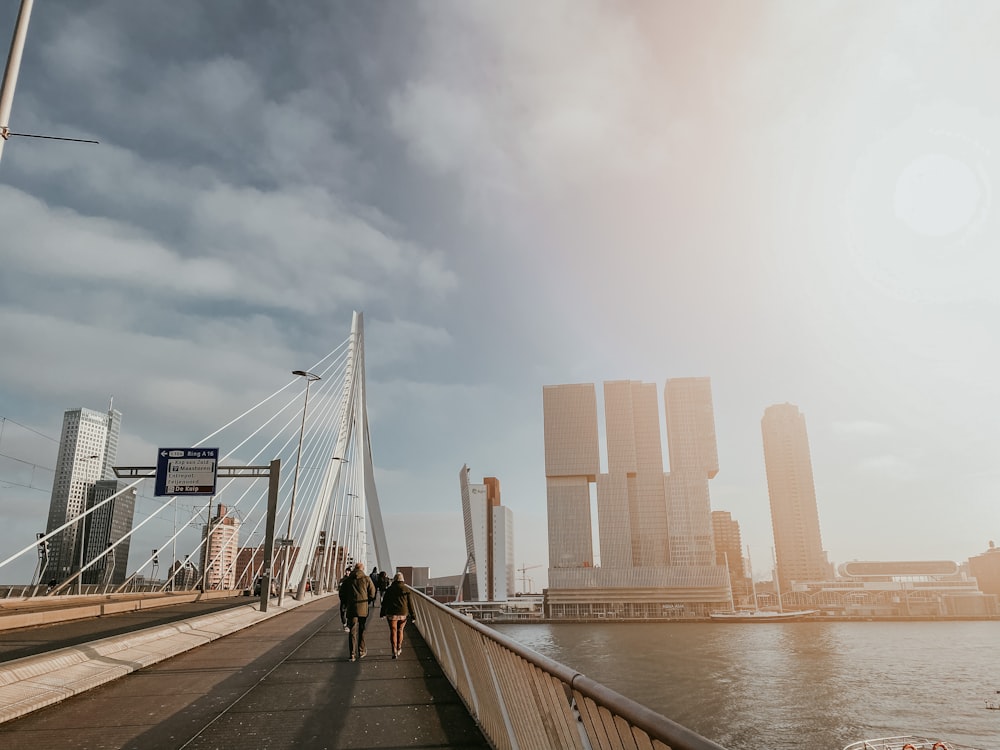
(522, 699)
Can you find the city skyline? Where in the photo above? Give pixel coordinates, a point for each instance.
(792, 199)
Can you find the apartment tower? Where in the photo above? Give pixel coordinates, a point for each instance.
(220, 551)
(794, 514)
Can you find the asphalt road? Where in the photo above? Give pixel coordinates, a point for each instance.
(16, 644)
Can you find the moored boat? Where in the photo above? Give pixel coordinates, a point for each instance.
(908, 742)
(761, 615)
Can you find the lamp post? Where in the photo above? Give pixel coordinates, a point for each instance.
(310, 378)
(11, 70)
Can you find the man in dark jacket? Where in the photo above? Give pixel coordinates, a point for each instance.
(355, 592)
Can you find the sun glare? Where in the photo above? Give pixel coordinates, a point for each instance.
(937, 195)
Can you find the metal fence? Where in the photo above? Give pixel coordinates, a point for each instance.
(523, 700)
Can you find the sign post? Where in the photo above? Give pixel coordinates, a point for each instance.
(186, 471)
(196, 476)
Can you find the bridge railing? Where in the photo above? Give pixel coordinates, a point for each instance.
(523, 700)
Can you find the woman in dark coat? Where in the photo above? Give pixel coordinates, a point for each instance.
(396, 607)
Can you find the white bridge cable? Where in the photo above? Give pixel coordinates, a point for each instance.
(329, 499)
(292, 413)
(316, 428)
(208, 507)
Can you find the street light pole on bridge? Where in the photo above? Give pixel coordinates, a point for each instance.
(310, 378)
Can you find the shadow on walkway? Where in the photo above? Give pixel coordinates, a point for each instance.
(284, 683)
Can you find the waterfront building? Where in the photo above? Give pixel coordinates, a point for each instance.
(794, 513)
(985, 568)
(694, 459)
(218, 556)
(106, 530)
(88, 449)
(729, 552)
(894, 588)
(656, 557)
(489, 540)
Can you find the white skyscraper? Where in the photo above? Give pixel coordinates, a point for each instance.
(489, 539)
(88, 449)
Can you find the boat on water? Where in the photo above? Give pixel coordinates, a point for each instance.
(761, 615)
(908, 742)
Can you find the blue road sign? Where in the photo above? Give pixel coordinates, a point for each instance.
(186, 471)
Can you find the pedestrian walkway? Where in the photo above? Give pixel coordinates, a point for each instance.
(283, 683)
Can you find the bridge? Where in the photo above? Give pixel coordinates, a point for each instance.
(185, 659)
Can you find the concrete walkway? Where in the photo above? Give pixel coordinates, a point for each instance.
(285, 682)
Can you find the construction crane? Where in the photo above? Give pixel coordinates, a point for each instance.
(525, 579)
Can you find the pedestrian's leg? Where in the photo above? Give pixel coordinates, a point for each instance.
(361, 637)
(352, 639)
(399, 636)
(394, 637)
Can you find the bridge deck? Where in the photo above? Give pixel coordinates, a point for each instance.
(283, 683)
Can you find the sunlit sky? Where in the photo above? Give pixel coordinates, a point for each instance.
(793, 199)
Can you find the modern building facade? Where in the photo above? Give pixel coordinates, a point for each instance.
(489, 540)
(729, 552)
(694, 459)
(88, 449)
(656, 555)
(794, 513)
(985, 568)
(105, 531)
(219, 553)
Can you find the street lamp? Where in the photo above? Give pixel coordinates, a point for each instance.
(310, 378)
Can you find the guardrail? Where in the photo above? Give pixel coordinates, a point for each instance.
(523, 700)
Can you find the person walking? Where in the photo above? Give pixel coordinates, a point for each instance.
(374, 578)
(356, 591)
(396, 607)
(382, 584)
(343, 599)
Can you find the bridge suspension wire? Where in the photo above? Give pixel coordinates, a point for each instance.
(333, 521)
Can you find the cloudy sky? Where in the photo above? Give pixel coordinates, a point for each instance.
(793, 199)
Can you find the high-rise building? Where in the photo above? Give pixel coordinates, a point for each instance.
(794, 513)
(654, 529)
(88, 449)
(489, 540)
(729, 552)
(694, 459)
(572, 462)
(218, 558)
(105, 527)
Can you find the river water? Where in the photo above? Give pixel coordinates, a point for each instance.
(778, 686)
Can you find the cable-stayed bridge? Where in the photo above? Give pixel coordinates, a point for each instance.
(326, 513)
(278, 677)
